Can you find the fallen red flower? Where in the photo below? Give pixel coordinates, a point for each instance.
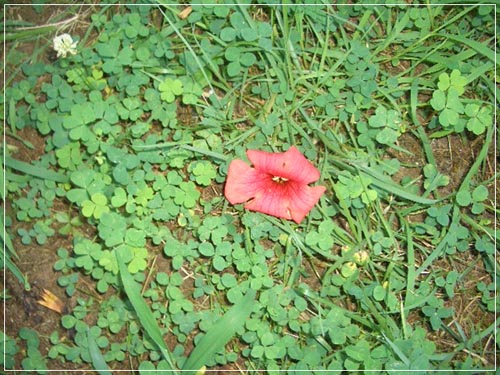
(277, 185)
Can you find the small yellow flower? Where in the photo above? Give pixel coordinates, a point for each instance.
(64, 44)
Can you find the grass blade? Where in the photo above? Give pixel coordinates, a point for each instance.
(12, 267)
(7, 253)
(438, 250)
(220, 333)
(395, 32)
(190, 49)
(420, 130)
(148, 322)
(476, 46)
(410, 276)
(397, 351)
(98, 360)
(385, 183)
(209, 153)
(32, 170)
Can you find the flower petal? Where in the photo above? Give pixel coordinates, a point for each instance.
(290, 200)
(242, 183)
(304, 201)
(291, 165)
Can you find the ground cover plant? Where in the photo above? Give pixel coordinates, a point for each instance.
(117, 150)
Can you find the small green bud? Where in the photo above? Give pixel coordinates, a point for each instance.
(348, 269)
(361, 258)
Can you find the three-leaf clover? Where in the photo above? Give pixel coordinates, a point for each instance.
(86, 252)
(464, 198)
(479, 118)
(96, 206)
(203, 172)
(446, 99)
(78, 123)
(453, 81)
(191, 90)
(170, 88)
(322, 237)
(354, 190)
(238, 60)
(384, 126)
(449, 105)
(433, 178)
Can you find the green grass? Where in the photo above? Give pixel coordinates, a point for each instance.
(140, 126)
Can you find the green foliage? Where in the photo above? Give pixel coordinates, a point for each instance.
(354, 190)
(433, 178)
(10, 349)
(34, 360)
(203, 172)
(475, 199)
(448, 102)
(480, 117)
(95, 206)
(139, 128)
(449, 105)
(170, 88)
(384, 127)
(41, 231)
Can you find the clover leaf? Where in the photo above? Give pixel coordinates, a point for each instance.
(322, 237)
(138, 262)
(238, 60)
(109, 47)
(203, 172)
(111, 228)
(479, 194)
(436, 314)
(186, 194)
(463, 198)
(446, 99)
(34, 359)
(479, 118)
(434, 178)
(191, 90)
(119, 198)
(354, 190)
(96, 206)
(87, 252)
(77, 123)
(384, 126)
(170, 88)
(130, 108)
(107, 260)
(453, 81)
(69, 156)
(440, 214)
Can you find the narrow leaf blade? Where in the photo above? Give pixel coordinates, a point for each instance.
(32, 170)
(220, 333)
(98, 360)
(146, 317)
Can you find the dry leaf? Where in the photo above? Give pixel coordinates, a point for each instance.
(51, 301)
(185, 13)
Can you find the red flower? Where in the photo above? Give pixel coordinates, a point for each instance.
(277, 185)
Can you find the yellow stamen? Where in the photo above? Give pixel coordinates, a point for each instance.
(279, 179)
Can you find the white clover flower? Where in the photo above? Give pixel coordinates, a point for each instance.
(63, 44)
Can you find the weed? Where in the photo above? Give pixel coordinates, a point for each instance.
(140, 126)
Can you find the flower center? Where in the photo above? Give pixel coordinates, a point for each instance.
(280, 180)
